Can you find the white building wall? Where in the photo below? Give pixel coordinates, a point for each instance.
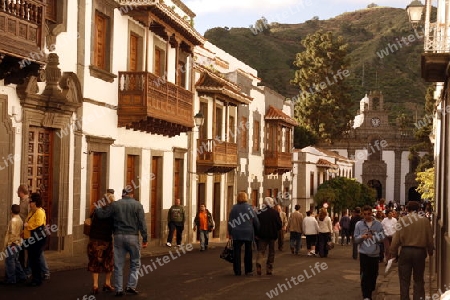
(389, 159)
(404, 171)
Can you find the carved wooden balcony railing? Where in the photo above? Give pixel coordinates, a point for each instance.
(21, 28)
(149, 103)
(215, 156)
(277, 162)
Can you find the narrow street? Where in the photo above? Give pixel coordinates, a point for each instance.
(203, 275)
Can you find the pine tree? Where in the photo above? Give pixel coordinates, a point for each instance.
(323, 104)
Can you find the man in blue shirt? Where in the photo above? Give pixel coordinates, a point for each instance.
(368, 234)
(129, 220)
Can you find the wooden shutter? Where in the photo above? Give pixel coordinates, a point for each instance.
(100, 41)
(158, 53)
(133, 55)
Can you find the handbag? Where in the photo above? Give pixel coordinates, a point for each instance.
(87, 226)
(228, 252)
(39, 232)
(330, 245)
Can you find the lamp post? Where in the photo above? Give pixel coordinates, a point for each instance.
(199, 119)
(415, 11)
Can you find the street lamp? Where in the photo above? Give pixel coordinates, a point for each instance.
(199, 119)
(415, 10)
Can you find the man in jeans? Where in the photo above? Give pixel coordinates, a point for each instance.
(368, 234)
(415, 237)
(129, 220)
(295, 225)
(205, 224)
(175, 220)
(270, 225)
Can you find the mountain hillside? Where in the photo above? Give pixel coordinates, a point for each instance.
(384, 53)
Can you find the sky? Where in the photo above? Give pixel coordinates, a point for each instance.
(242, 13)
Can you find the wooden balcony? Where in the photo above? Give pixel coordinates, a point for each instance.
(215, 156)
(21, 39)
(277, 162)
(149, 103)
(21, 28)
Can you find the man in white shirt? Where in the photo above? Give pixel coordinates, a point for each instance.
(388, 224)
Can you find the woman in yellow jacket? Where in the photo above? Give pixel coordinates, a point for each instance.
(35, 236)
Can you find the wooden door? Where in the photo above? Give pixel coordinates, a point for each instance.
(255, 198)
(131, 176)
(97, 189)
(154, 203)
(216, 209)
(177, 180)
(39, 168)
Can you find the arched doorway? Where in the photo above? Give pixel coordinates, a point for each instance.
(376, 184)
(413, 195)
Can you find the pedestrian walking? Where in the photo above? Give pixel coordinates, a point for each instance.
(33, 225)
(368, 234)
(356, 217)
(100, 247)
(270, 225)
(311, 230)
(242, 224)
(336, 230)
(416, 241)
(389, 229)
(24, 204)
(325, 230)
(129, 221)
(282, 231)
(295, 228)
(13, 269)
(205, 223)
(344, 222)
(175, 221)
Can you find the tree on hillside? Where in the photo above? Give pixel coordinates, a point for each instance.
(342, 193)
(324, 104)
(303, 137)
(423, 129)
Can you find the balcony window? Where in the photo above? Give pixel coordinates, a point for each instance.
(159, 67)
(218, 124)
(256, 136)
(133, 55)
(243, 134)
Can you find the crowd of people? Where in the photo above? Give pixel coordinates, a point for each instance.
(377, 235)
(373, 233)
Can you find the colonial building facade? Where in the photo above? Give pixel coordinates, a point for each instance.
(313, 166)
(102, 94)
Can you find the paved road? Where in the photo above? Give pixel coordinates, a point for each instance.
(203, 275)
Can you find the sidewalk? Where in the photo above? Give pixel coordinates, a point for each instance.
(58, 261)
(388, 286)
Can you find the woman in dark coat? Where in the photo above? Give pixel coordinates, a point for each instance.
(242, 223)
(100, 247)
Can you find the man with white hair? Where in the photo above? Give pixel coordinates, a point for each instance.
(270, 224)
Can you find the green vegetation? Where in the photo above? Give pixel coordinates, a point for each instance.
(341, 193)
(426, 184)
(366, 31)
(324, 105)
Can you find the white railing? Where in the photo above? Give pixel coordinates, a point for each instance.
(437, 40)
